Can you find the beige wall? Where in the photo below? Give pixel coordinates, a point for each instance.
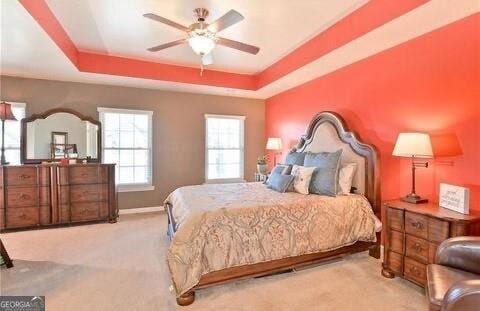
(178, 125)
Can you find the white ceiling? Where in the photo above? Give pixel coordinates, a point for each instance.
(276, 26)
(27, 51)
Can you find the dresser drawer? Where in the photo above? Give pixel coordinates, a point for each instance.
(2, 218)
(416, 224)
(27, 196)
(432, 252)
(395, 219)
(21, 176)
(415, 271)
(85, 211)
(395, 241)
(22, 217)
(416, 248)
(438, 230)
(83, 193)
(80, 175)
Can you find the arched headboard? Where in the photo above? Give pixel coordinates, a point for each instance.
(328, 132)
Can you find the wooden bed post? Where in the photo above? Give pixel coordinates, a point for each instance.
(186, 299)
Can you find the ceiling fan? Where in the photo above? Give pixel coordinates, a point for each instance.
(202, 37)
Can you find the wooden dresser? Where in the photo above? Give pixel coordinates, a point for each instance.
(413, 233)
(51, 194)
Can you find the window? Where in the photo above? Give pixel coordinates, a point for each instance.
(127, 142)
(12, 134)
(224, 152)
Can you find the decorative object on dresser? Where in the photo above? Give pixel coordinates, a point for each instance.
(413, 233)
(6, 114)
(4, 256)
(414, 145)
(51, 194)
(274, 144)
(455, 198)
(60, 133)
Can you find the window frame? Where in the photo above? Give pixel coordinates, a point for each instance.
(131, 187)
(24, 106)
(241, 178)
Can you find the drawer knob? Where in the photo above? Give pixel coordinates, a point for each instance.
(23, 216)
(415, 270)
(24, 176)
(417, 225)
(24, 196)
(417, 247)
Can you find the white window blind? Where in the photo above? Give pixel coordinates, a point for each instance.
(127, 142)
(12, 134)
(224, 152)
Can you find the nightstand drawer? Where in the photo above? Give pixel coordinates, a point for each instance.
(416, 224)
(416, 248)
(395, 219)
(395, 241)
(438, 230)
(415, 271)
(394, 261)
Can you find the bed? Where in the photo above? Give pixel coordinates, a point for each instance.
(221, 233)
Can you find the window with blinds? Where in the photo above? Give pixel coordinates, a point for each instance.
(224, 152)
(127, 142)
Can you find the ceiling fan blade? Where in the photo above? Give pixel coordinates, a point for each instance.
(166, 45)
(238, 45)
(163, 20)
(230, 18)
(207, 59)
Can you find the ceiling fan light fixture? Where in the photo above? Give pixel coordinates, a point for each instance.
(201, 44)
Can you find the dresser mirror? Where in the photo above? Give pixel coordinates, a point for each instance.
(58, 134)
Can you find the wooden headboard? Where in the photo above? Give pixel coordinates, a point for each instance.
(328, 132)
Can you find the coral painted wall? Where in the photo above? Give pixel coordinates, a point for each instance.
(431, 84)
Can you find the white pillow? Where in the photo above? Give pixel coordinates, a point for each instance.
(345, 177)
(302, 176)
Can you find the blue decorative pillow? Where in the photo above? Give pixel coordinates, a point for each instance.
(295, 158)
(279, 183)
(282, 169)
(325, 177)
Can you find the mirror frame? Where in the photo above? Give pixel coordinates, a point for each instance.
(32, 118)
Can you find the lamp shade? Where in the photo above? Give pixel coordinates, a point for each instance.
(274, 143)
(413, 145)
(6, 112)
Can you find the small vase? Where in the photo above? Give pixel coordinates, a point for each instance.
(262, 169)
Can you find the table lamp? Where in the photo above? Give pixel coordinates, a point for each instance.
(274, 144)
(414, 145)
(5, 114)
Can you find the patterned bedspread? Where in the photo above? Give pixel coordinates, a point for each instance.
(227, 225)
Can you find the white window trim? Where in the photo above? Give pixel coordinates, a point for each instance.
(132, 187)
(18, 105)
(242, 147)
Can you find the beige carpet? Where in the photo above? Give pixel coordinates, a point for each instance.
(122, 267)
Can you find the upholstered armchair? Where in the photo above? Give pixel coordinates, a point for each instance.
(453, 283)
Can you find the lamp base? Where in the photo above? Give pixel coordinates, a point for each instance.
(413, 198)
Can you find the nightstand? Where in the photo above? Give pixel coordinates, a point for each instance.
(414, 231)
(260, 177)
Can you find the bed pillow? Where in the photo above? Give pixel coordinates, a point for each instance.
(302, 176)
(325, 177)
(295, 158)
(279, 182)
(345, 178)
(282, 169)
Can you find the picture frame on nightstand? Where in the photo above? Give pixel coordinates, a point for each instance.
(261, 177)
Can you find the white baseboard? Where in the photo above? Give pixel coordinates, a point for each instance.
(141, 210)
